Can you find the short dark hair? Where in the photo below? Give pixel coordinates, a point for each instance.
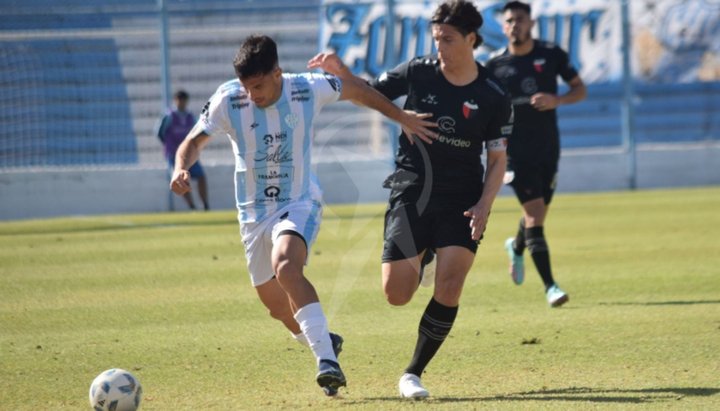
(462, 15)
(181, 95)
(257, 56)
(517, 5)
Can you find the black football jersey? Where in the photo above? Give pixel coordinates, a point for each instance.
(535, 133)
(467, 117)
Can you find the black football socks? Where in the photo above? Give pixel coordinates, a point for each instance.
(435, 325)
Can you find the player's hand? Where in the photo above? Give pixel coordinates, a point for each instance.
(328, 62)
(544, 101)
(180, 182)
(416, 124)
(478, 221)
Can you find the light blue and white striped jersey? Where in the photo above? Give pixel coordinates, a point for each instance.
(272, 145)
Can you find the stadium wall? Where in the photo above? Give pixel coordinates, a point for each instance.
(62, 192)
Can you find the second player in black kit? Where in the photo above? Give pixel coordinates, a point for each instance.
(441, 196)
(535, 138)
(433, 181)
(529, 69)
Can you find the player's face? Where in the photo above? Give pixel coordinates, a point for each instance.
(451, 45)
(264, 89)
(517, 26)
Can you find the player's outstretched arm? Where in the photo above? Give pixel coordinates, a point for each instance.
(187, 154)
(359, 92)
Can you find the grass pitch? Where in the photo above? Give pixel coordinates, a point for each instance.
(167, 297)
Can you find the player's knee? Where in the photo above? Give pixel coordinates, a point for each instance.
(286, 271)
(448, 290)
(398, 296)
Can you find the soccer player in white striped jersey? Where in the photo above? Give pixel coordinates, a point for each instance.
(268, 116)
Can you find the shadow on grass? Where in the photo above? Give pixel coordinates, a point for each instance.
(572, 394)
(650, 303)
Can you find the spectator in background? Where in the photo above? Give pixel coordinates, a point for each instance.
(172, 130)
(529, 69)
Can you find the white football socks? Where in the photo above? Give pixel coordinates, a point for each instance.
(300, 338)
(315, 329)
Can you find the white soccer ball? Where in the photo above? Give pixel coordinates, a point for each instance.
(115, 390)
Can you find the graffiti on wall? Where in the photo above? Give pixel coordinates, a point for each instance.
(673, 40)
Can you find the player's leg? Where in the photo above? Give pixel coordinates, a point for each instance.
(406, 241)
(527, 185)
(453, 264)
(297, 223)
(455, 254)
(534, 213)
(276, 301)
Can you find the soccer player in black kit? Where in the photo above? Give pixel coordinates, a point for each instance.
(528, 69)
(440, 198)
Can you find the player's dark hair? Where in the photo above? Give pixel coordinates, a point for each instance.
(462, 15)
(257, 56)
(181, 95)
(517, 5)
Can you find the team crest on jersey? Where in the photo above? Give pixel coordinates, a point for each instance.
(538, 65)
(292, 120)
(469, 109)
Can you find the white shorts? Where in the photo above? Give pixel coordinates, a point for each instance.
(302, 217)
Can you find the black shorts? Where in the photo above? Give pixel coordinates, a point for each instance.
(409, 231)
(534, 180)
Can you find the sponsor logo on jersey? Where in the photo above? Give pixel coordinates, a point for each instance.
(275, 154)
(446, 124)
(453, 141)
(538, 65)
(279, 137)
(239, 97)
(267, 175)
(469, 109)
(272, 191)
(253, 126)
(430, 99)
(528, 85)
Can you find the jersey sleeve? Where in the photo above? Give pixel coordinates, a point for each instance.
(501, 126)
(565, 68)
(326, 87)
(214, 118)
(393, 83)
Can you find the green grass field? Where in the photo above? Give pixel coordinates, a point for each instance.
(167, 297)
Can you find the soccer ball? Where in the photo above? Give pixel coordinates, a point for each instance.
(115, 390)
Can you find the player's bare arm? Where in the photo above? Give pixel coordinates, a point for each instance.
(187, 154)
(358, 91)
(480, 212)
(547, 101)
